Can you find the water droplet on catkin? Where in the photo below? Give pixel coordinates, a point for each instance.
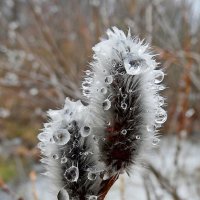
(160, 100)
(92, 197)
(85, 131)
(55, 156)
(159, 76)
(124, 96)
(137, 137)
(103, 90)
(106, 104)
(92, 176)
(72, 174)
(155, 141)
(123, 132)
(63, 160)
(123, 105)
(161, 116)
(63, 195)
(61, 136)
(108, 80)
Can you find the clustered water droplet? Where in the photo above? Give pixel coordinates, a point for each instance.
(72, 174)
(63, 195)
(135, 66)
(103, 90)
(160, 100)
(159, 76)
(41, 145)
(61, 136)
(161, 116)
(124, 96)
(106, 104)
(63, 160)
(43, 137)
(123, 132)
(155, 141)
(92, 197)
(123, 105)
(85, 84)
(55, 156)
(92, 176)
(137, 137)
(85, 131)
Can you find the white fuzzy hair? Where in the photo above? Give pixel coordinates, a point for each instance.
(123, 114)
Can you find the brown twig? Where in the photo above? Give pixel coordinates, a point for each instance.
(106, 186)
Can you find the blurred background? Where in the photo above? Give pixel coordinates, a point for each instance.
(45, 46)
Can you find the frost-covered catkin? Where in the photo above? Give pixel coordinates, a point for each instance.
(124, 97)
(84, 145)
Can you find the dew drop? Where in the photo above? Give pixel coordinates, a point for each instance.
(103, 90)
(159, 76)
(61, 137)
(124, 96)
(123, 105)
(63, 195)
(106, 104)
(155, 141)
(92, 176)
(160, 87)
(122, 73)
(41, 145)
(88, 72)
(55, 156)
(134, 67)
(123, 132)
(138, 137)
(120, 64)
(85, 84)
(63, 160)
(108, 123)
(72, 174)
(86, 92)
(95, 56)
(92, 197)
(43, 137)
(108, 80)
(85, 131)
(161, 116)
(160, 100)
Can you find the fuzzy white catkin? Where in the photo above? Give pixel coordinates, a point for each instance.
(85, 145)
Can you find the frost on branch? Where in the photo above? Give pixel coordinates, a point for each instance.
(84, 146)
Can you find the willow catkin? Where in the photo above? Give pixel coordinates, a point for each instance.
(83, 145)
